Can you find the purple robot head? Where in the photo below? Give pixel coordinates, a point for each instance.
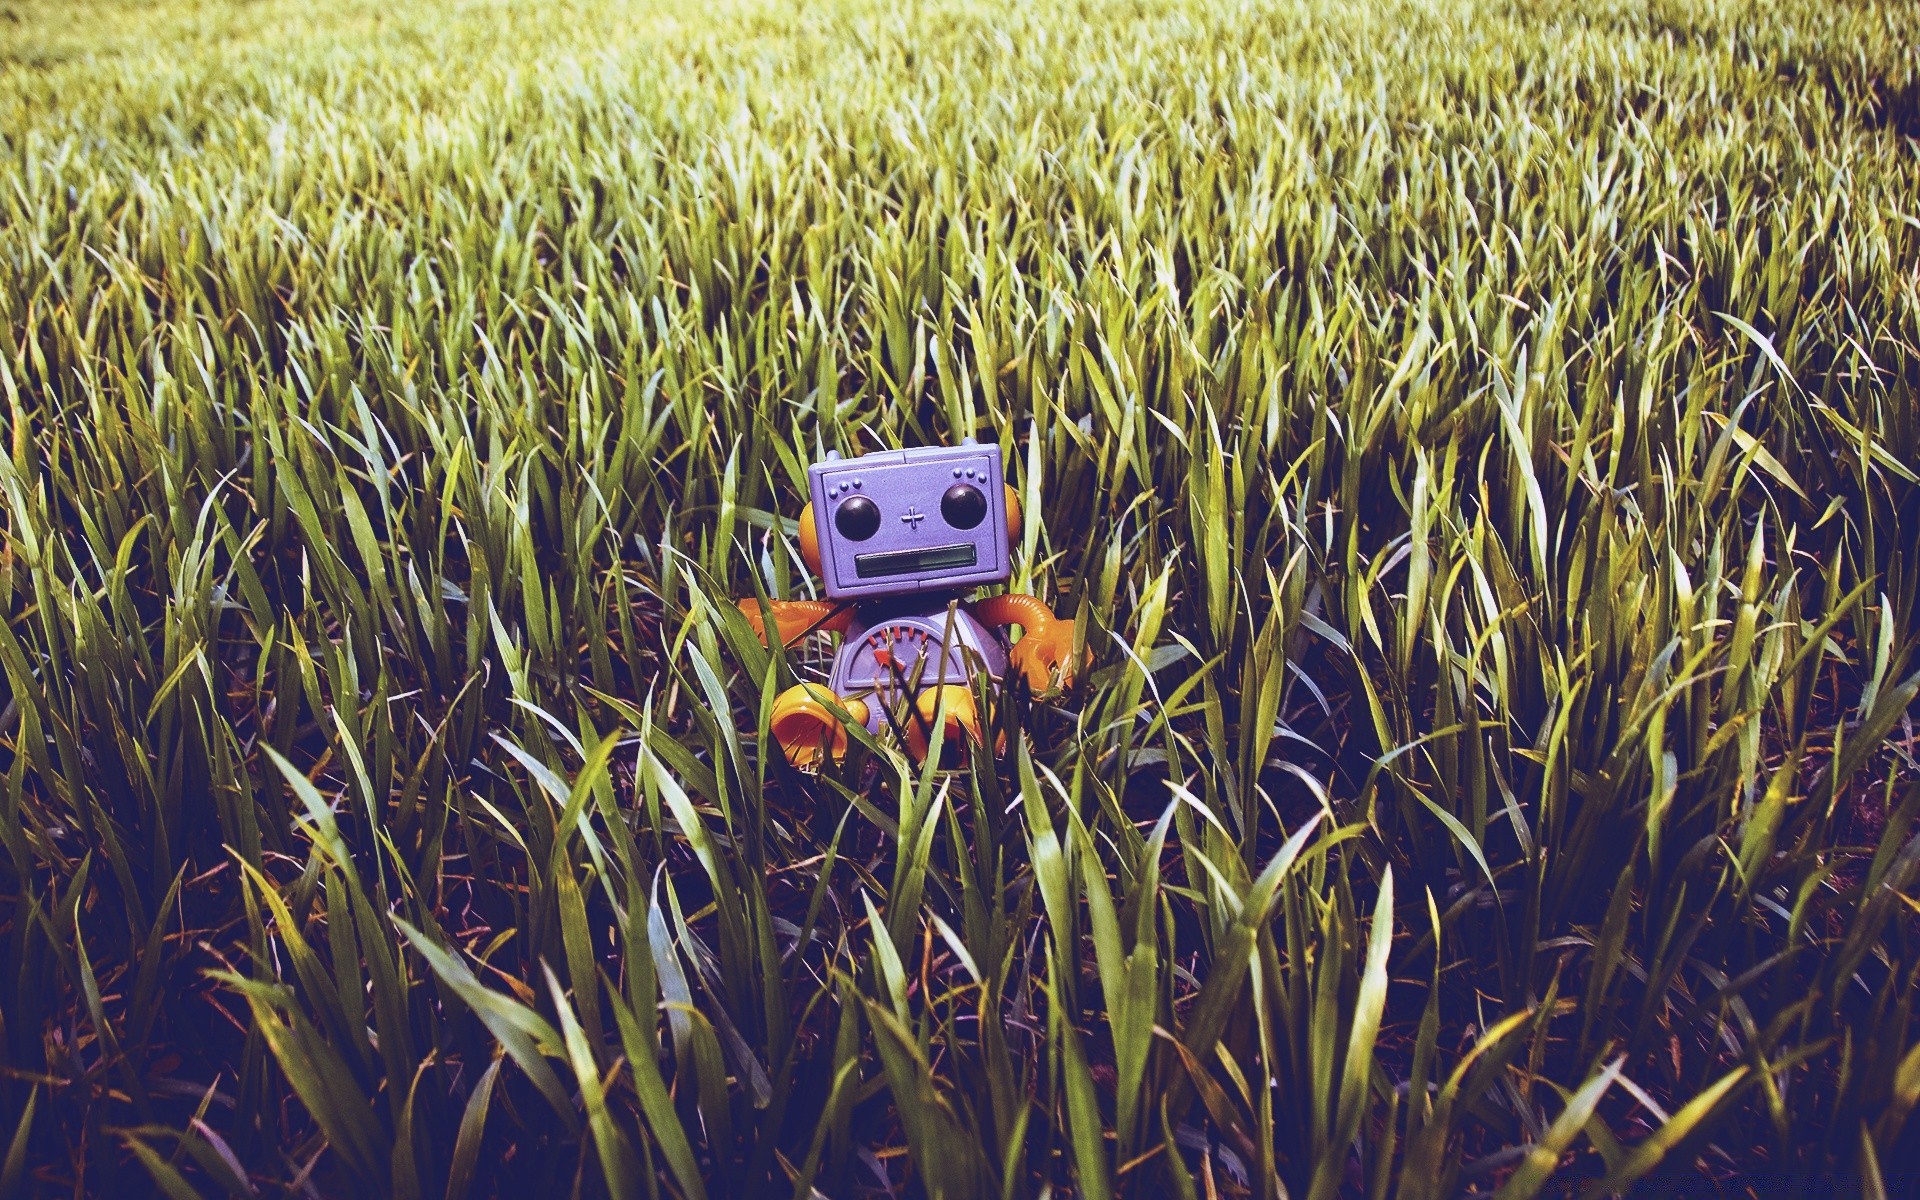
(936, 518)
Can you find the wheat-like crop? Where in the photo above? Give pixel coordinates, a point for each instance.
(1477, 442)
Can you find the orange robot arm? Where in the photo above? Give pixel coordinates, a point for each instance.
(1013, 609)
(797, 618)
(1045, 654)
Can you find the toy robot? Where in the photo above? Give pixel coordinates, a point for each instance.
(907, 535)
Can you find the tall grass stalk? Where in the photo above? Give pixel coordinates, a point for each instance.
(1477, 442)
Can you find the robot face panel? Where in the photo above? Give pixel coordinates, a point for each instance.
(903, 521)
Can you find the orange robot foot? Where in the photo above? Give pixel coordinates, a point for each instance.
(950, 709)
(807, 724)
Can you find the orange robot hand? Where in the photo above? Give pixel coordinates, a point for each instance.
(1045, 653)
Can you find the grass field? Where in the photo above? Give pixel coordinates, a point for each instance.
(1478, 442)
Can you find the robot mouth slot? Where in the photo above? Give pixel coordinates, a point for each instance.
(913, 562)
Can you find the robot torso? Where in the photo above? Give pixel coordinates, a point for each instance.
(893, 652)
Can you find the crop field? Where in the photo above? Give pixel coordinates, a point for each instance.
(1478, 444)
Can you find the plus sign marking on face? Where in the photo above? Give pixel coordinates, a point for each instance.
(913, 517)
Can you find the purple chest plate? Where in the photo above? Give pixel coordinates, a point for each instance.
(931, 519)
(905, 651)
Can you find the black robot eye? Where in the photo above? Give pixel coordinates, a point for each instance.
(857, 518)
(963, 506)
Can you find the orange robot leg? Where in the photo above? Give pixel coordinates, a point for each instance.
(953, 708)
(808, 727)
